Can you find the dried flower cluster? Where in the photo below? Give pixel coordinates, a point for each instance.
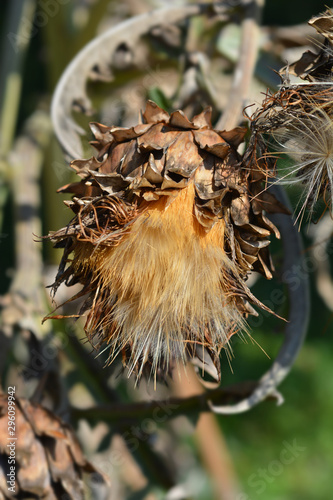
(297, 122)
(47, 458)
(167, 226)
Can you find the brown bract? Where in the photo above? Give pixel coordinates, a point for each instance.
(297, 121)
(161, 156)
(316, 66)
(168, 224)
(49, 463)
(287, 108)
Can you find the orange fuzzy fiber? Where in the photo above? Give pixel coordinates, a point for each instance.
(164, 287)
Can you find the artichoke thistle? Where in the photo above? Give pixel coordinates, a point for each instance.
(167, 226)
(297, 122)
(47, 458)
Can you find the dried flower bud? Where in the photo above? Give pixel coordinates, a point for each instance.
(48, 461)
(165, 232)
(316, 67)
(297, 122)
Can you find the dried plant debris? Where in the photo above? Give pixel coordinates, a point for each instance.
(119, 47)
(297, 122)
(316, 67)
(167, 226)
(48, 462)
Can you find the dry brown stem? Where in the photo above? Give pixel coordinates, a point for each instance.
(245, 68)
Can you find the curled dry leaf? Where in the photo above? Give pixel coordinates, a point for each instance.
(48, 460)
(167, 226)
(312, 66)
(98, 59)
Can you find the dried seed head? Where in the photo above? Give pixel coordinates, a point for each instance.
(164, 235)
(297, 122)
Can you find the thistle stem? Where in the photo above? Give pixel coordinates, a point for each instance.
(127, 413)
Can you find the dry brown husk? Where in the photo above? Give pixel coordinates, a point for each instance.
(168, 224)
(287, 109)
(49, 463)
(316, 67)
(297, 121)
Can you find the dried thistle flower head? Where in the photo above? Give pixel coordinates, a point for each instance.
(297, 122)
(164, 235)
(48, 460)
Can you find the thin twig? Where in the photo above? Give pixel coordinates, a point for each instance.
(245, 68)
(124, 414)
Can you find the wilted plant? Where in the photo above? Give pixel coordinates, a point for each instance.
(167, 226)
(297, 122)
